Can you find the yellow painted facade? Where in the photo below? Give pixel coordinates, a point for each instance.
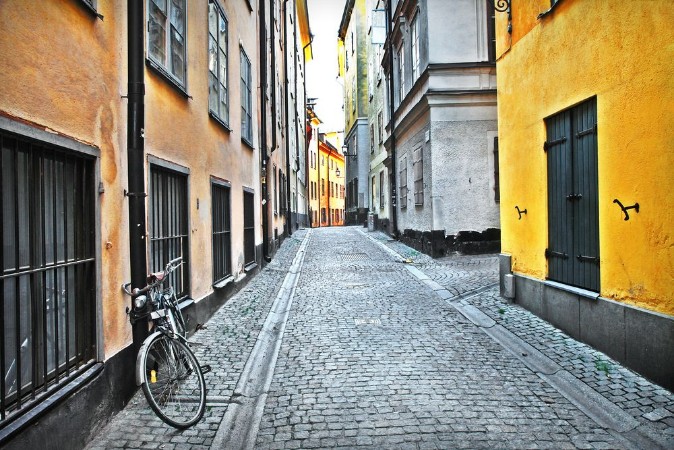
(622, 53)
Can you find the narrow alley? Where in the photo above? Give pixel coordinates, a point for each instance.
(384, 347)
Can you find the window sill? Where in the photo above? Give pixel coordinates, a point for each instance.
(221, 122)
(159, 70)
(572, 289)
(91, 9)
(250, 266)
(224, 282)
(247, 142)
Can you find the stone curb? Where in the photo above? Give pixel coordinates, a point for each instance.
(240, 425)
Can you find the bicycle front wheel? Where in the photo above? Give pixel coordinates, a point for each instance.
(174, 384)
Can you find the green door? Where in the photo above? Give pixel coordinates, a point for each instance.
(573, 211)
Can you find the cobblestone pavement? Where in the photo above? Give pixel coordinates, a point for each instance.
(372, 358)
(225, 345)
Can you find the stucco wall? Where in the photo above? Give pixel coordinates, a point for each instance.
(462, 174)
(63, 69)
(460, 22)
(626, 60)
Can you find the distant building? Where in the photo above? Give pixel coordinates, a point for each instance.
(352, 50)
(586, 137)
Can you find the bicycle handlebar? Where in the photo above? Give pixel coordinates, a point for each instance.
(170, 267)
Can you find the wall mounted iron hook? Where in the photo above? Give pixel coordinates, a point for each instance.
(625, 208)
(520, 212)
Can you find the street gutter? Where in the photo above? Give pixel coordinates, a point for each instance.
(241, 423)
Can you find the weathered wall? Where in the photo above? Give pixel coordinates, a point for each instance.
(626, 60)
(68, 74)
(462, 172)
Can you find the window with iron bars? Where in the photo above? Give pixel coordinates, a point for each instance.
(222, 231)
(48, 278)
(248, 227)
(169, 228)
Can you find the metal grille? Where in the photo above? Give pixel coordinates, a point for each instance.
(48, 270)
(169, 225)
(249, 227)
(222, 235)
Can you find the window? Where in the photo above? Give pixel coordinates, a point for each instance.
(403, 183)
(222, 232)
(166, 38)
(322, 186)
(497, 186)
(372, 138)
(276, 186)
(415, 47)
(418, 168)
(373, 193)
(380, 123)
(48, 277)
(246, 100)
(218, 101)
(248, 227)
(353, 98)
(169, 229)
(401, 73)
(382, 197)
(491, 33)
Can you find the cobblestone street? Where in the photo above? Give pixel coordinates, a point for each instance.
(384, 347)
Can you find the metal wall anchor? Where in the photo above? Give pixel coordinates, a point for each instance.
(625, 208)
(520, 212)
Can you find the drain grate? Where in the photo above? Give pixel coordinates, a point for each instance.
(354, 256)
(368, 321)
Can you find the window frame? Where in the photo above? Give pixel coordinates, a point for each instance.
(402, 182)
(248, 224)
(161, 67)
(247, 102)
(414, 42)
(382, 197)
(222, 18)
(418, 172)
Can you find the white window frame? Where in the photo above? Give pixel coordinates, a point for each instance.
(163, 63)
(246, 98)
(217, 68)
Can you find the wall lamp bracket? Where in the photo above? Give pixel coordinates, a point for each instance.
(520, 212)
(625, 208)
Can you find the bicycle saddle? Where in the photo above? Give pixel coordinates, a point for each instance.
(155, 276)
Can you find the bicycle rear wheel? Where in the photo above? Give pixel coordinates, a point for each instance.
(174, 384)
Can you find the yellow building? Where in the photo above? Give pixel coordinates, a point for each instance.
(586, 150)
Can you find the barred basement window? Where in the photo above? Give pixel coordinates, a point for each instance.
(222, 232)
(169, 236)
(166, 42)
(218, 101)
(248, 227)
(48, 278)
(418, 168)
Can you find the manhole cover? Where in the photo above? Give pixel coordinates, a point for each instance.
(367, 321)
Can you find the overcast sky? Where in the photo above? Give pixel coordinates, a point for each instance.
(322, 81)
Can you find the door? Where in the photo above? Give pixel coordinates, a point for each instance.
(573, 212)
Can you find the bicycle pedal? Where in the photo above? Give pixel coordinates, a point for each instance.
(205, 369)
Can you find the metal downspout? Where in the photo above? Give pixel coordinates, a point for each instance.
(392, 178)
(287, 124)
(136, 157)
(264, 157)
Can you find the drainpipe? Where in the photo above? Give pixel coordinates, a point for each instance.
(327, 168)
(135, 156)
(392, 179)
(297, 116)
(286, 85)
(264, 157)
(306, 143)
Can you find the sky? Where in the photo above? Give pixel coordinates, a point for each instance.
(322, 71)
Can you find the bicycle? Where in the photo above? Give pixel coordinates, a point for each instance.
(166, 369)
